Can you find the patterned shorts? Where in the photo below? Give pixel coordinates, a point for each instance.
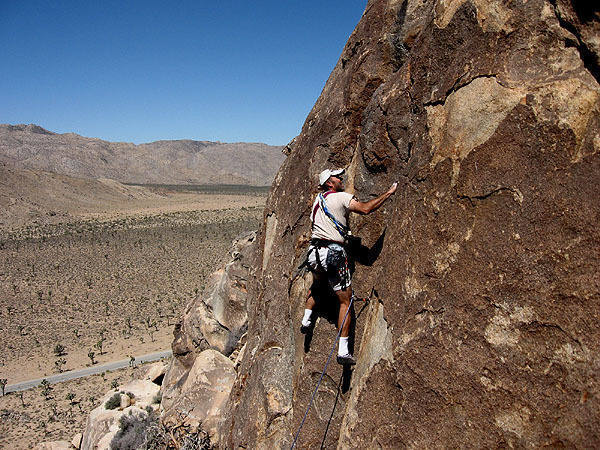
(333, 262)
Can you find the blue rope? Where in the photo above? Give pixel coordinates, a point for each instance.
(322, 374)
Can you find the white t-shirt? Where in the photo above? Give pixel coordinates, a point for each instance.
(338, 204)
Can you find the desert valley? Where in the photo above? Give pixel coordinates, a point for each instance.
(94, 270)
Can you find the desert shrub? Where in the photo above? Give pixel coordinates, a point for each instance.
(59, 363)
(157, 398)
(71, 397)
(113, 402)
(139, 431)
(196, 441)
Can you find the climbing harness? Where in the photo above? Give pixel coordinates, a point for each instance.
(322, 374)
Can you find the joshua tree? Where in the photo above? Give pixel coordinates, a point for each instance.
(20, 395)
(46, 389)
(3, 382)
(98, 345)
(91, 355)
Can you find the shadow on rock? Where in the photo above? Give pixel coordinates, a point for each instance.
(366, 256)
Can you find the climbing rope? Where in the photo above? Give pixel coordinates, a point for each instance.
(322, 374)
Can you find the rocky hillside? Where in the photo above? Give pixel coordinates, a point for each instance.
(483, 325)
(27, 195)
(161, 162)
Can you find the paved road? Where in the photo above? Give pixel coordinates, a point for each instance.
(79, 373)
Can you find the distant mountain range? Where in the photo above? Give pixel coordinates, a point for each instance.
(160, 162)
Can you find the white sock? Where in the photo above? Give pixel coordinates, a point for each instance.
(343, 348)
(306, 319)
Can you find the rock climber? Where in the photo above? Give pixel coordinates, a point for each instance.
(327, 255)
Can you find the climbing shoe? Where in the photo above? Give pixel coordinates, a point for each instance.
(346, 360)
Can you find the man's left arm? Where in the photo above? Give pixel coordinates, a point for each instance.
(372, 205)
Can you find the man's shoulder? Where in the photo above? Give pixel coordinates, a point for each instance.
(342, 197)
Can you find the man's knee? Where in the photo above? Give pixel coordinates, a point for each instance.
(344, 295)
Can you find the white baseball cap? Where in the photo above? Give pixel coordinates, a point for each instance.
(324, 176)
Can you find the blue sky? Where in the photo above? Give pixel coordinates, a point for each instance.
(139, 71)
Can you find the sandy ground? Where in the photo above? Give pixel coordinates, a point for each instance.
(174, 203)
(38, 366)
(29, 417)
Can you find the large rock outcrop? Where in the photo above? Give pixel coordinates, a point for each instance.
(483, 327)
(207, 344)
(137, 397)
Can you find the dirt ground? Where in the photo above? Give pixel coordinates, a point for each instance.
(106, 286)
(30, 417)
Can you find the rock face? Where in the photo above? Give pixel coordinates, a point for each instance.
(207, 343)
(483, 325)
(160, 162)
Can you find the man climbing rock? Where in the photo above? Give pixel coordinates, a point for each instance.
(327, 255)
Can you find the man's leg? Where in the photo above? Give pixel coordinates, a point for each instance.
(344, 296)
(308, 309)
(344, 320)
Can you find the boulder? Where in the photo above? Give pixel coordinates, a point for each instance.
(201, 393)
(482, 327)
(126, 401)
(156, 372)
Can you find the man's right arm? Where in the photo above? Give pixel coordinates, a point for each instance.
(372, 205)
